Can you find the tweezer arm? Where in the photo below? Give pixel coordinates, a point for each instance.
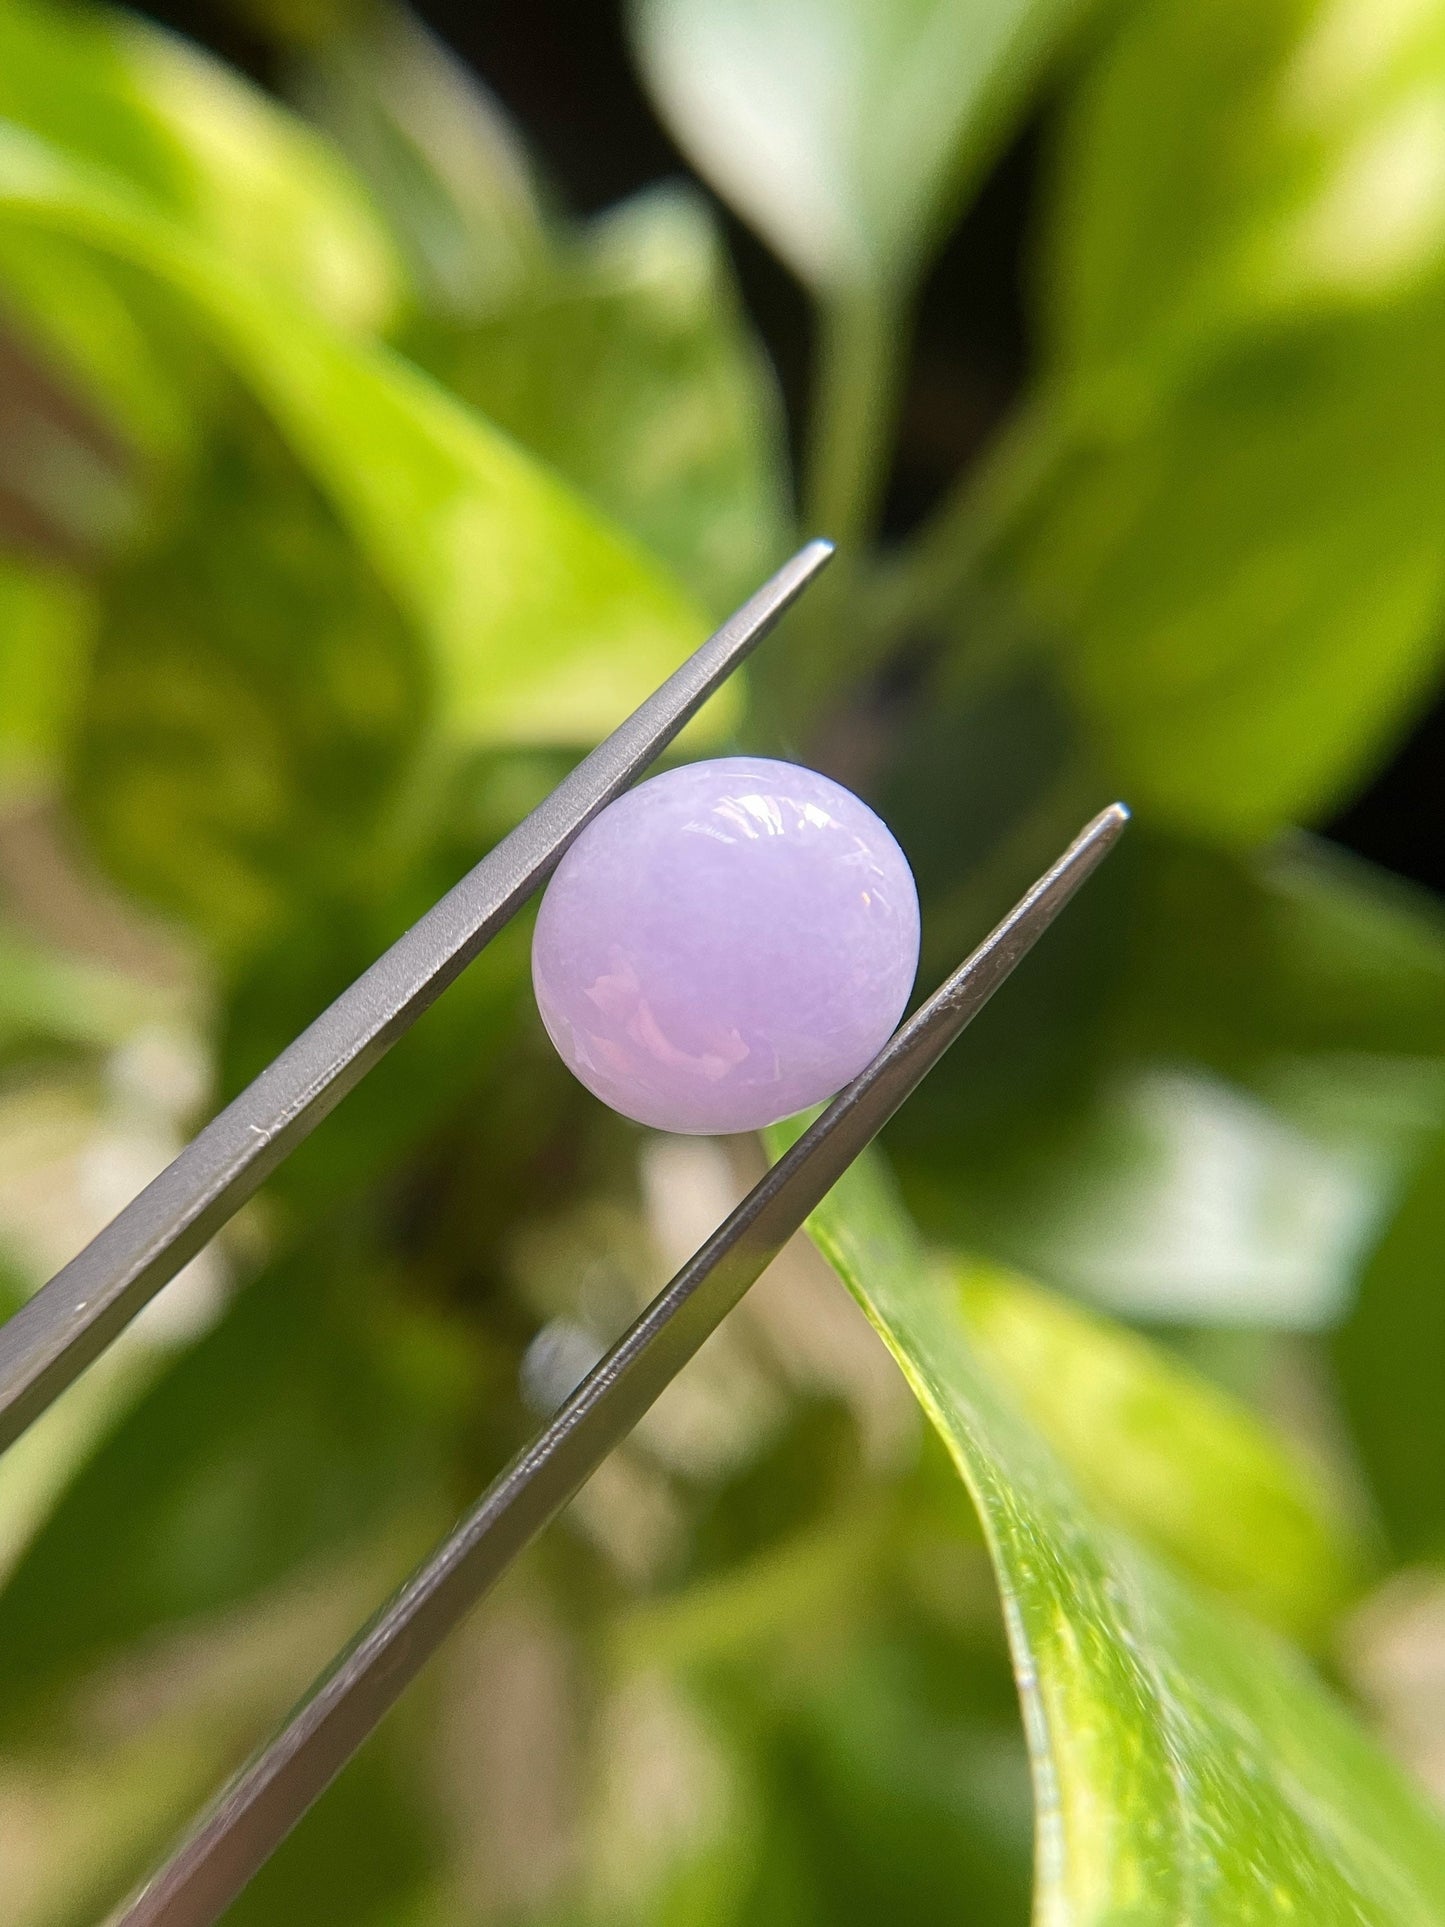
(268, 1797)
(71, 1320)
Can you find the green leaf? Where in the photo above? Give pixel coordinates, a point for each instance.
(1387, 1361)
(438, 153)
(46, 620)
(1243, 575)
(1228, 514)
(1152, 1447)
(627, 366)
(122, 359)
(1205, 1108)
(541, 624)
(1223, 165)
(881, 1792)
(618, 351)
(212, 152)
(846, 131)
(1187, 1764)
(253, 698)
(456, 1049)
(315, 1412)
(198, 141)
(853, 1675)
(1314, 950)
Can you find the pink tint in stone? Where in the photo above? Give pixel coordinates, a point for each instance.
(726, 944)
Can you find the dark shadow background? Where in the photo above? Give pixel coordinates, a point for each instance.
(562, 69)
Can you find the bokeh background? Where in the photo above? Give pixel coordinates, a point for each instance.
(387, 400)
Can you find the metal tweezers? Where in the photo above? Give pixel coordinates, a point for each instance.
(71, 1320)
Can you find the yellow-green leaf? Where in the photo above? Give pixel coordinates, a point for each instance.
(542, 624)
(1188, 1765)
(1154, 1447)
(192, 136)
(626, 364)
(1236, 541)
(46, 620)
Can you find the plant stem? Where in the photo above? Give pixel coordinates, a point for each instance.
(936, 567)
(849, 440)
(857, 618)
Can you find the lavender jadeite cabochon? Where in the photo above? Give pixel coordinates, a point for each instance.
(726, 944)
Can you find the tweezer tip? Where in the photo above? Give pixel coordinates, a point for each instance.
(806, 562)
(1097, 838)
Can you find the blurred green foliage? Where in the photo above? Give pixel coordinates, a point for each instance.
(349, 488)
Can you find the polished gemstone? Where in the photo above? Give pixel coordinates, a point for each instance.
(725, 945)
